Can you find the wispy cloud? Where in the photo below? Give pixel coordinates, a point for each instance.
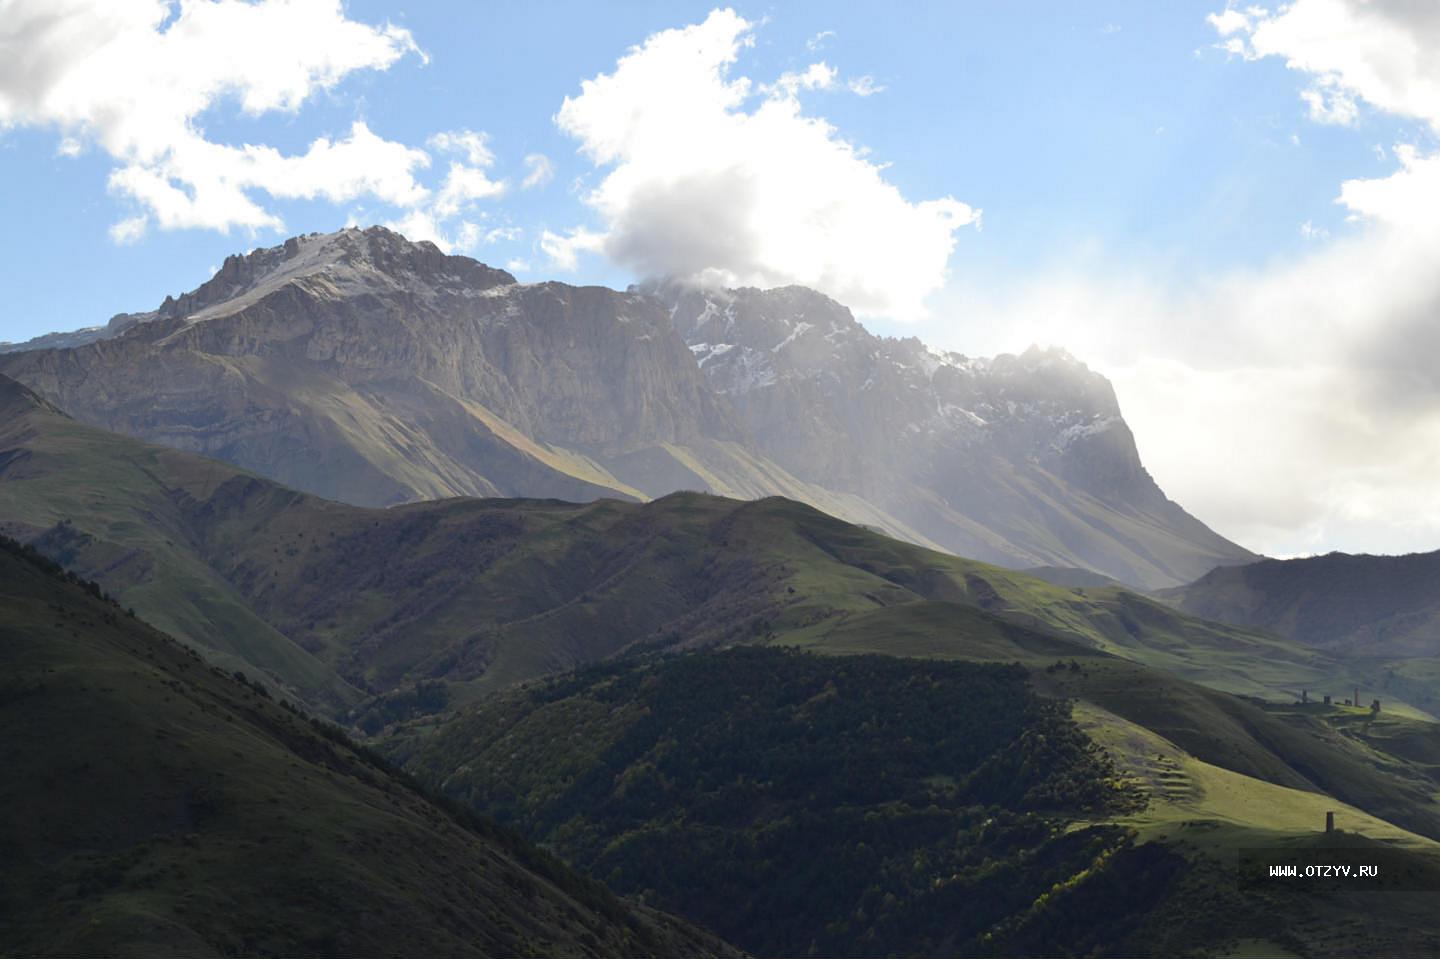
(864, 86)
(819, 40)
(538, 171)
(133, 78)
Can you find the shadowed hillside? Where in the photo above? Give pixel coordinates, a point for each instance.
(868, 805)
(336, 601)
(157, 806)
(1375, 605)
(804, 805)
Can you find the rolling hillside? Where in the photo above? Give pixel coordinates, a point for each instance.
(1381, 612)
(158, 806)
(337, 601)
(800, 805)
(872, 805)
(411, 618)
(1373, 605)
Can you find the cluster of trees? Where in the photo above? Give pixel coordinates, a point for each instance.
(422, 698)
(805, 805)
(33, 556)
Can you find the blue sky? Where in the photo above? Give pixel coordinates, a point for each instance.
(1116, 129)
(1142, 189)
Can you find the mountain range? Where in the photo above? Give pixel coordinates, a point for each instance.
(823, 641)
(364, 368)
(418, 624)
(335, 602)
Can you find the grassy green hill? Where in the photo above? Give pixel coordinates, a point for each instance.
(125, 514)
(1372, 605)
(867, 805)
(420, 615)
(798, 805)
(335, 601)
(156, 806)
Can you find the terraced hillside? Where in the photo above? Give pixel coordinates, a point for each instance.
(869, 805)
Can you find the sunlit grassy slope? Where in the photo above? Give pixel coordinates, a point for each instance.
(334, 601)
(1209, 812)
(451, 601)
(731, 788)
(155, 806)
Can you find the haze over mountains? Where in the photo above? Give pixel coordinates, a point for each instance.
(332, 601)
(1375, 605)
(364, 368)
(411, 623)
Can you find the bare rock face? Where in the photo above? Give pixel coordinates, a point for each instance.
(1004, 459)
(365, 368)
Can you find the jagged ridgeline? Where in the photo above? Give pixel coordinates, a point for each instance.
(807, 805)
(154, 805)
(371, 370)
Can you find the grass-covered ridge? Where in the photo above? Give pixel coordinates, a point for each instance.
(155, 805)
(335, 601)
(864, 805)
(797, 804)
(1372, 605)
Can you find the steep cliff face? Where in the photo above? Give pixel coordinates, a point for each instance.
(369, 369)
(362, 367)
(1006, 459)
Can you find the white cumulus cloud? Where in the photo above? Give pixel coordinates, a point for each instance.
(1294, 405)
(1382, 52)
(714, 177)
(135, 76)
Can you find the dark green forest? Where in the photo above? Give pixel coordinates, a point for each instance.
(805, 805)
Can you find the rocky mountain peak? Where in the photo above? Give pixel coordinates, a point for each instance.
(757, 319)
(930, 434)
(365, 367)
(350, 261)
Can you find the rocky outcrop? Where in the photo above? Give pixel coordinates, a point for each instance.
(1021, 460)
(366, 368)
(362, 367)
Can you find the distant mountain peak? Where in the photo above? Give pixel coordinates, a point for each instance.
(349, 260)
(365, 367)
